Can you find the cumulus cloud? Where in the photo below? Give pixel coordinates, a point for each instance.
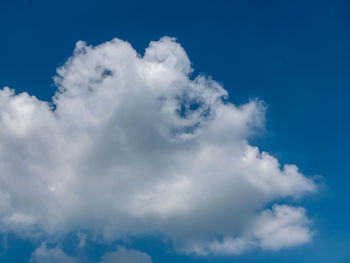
(283, 226)
(132, 144)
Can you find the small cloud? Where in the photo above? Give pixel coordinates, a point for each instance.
(50, 255)
(82, 239)
(283, 226)
(124, 255)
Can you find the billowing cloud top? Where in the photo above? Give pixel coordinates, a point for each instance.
(132, 144)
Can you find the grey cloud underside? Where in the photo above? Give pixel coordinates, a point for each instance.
(134, 145)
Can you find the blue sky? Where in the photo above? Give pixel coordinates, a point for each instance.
(293, 55)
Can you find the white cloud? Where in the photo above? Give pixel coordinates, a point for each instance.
(82, 239)
(50, 255)
(43, 254)
(134, 145)
(123, 255)
(283, 226)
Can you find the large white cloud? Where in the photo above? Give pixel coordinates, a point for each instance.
(133, 144)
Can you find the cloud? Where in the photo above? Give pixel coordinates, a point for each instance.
(123, 255)
(50, 255)
(283, 226)
(82, 239)
(43, 254)
(134, 144)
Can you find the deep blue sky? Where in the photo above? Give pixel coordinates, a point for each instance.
(294, 55)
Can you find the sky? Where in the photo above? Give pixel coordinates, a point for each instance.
(183, 131)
